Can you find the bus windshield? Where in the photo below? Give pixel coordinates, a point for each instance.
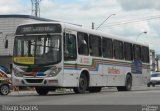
(37, 49)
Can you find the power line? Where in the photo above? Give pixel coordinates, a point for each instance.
(131, 21)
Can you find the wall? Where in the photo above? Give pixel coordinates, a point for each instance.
(8, 27)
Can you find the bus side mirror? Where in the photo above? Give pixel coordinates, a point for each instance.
(6, 44)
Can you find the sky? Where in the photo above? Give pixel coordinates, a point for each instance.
(132, 17)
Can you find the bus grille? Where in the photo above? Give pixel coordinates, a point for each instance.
(34, 80)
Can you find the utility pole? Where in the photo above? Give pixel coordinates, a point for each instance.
(105, 21)
(36, 8)
(145, 32)
(92, 25)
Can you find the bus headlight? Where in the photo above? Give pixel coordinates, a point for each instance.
(17, 73)
(54, 72)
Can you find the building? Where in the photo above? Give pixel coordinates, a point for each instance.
(152, 60)
(157, 62)
(8, 24)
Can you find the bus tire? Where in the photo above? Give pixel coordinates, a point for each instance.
(128, 84)
(94, 89)
(42, 90)
(4, 89)
(83, 85)
(120, 88)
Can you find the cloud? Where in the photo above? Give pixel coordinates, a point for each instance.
(129, 5)
(130, 31)
(81, 12)
(84, 12)
(13, 7)
(155, 25)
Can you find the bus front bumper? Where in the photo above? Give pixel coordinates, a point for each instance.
(19, 81)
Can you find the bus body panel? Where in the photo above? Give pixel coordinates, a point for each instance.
(102, 71)
(116, 72)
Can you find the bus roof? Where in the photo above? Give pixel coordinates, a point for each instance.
(80, 28)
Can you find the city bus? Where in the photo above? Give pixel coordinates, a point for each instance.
(61, 55)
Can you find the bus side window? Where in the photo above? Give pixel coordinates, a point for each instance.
(83, 43)
(128, 53)
(70, 50)
(118, 49)
(145, 54)
(137, 52)
(95, 45)
(107, 47)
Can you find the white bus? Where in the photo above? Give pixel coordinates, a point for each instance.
(61, 55)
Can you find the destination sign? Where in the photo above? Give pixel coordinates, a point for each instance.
(38, 28)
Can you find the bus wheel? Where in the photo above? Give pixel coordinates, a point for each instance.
(128, 84)
(4, 89)
(83, 84)
(94, 89)
(42, 90)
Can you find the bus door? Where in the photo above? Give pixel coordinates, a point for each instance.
(70, 59)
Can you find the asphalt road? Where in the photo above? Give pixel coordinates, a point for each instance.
(109, 96)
